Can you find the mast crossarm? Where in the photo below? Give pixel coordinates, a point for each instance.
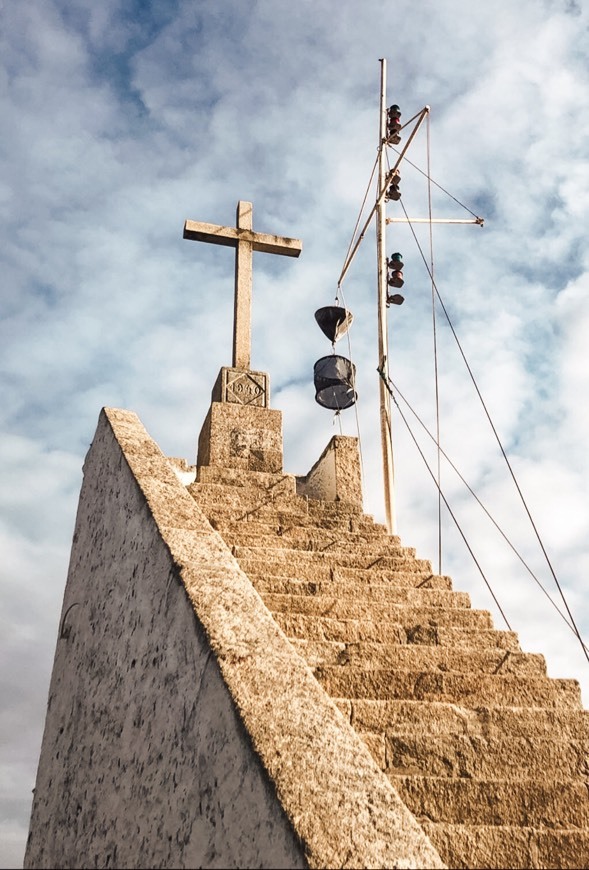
(478, 221)
(378, 202)
(421, 115)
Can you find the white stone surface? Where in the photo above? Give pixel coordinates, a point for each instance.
(145, 761)
(336, 474)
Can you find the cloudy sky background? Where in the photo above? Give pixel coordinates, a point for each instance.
(122, 119)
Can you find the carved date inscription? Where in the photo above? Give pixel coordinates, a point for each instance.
(246, 388)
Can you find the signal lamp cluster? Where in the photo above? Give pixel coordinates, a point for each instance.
(393, 124)
(393, 192)
(395, 278)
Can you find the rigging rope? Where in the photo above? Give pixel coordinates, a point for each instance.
(504, 454)
(354, 381)
(357, 224)
(449, 509)
(439, 186)
(435, 340)
(482, 506)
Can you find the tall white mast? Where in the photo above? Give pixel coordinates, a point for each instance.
(383, 363)
(379, 209)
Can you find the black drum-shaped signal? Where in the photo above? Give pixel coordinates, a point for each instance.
(334, 378)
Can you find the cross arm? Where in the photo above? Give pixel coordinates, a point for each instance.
(230, 236)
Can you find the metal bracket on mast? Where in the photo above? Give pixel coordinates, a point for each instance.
(382, 187)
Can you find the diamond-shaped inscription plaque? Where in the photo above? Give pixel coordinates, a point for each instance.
(241, 387)
(246, 388)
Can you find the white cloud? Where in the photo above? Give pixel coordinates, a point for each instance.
(120, 123)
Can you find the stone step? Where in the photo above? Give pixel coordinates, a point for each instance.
(251, 498)
(331, 522)
(498, 846)
(364, 531)
(309, 570)
(411, 657)
(310, 627)
(476, 757)
(471, 690)
(241, 478)
(372, 593)
(235, 501)
(367, 548)
(529, 802)
(232, 509)
(404, 560)
(435, 718)
(323, 509)
(412, 618)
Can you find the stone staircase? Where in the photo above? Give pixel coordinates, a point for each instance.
(489, 754)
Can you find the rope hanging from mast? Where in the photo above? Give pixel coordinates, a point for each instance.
(432, 437)
(449, 509)
(435, 343)
(501, 448)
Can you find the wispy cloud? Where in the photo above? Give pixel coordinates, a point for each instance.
(122, 120)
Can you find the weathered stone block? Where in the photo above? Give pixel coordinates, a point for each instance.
(238, 436)
(336, 474)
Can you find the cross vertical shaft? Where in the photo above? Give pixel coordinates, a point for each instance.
(242, 310)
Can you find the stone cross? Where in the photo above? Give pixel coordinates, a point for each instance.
(245, 241)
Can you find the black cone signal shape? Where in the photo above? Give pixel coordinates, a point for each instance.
(333, 321)
(334, 382)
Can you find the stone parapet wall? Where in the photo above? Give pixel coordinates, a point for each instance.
(183, 728)
(336, 474)
(145, 759)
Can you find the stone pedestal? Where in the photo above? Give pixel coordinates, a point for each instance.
(240, 430)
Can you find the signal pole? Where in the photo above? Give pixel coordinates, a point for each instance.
(383, 363)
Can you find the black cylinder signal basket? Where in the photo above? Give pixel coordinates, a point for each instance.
(334, 378)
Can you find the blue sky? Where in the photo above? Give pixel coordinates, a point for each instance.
(121, 120)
